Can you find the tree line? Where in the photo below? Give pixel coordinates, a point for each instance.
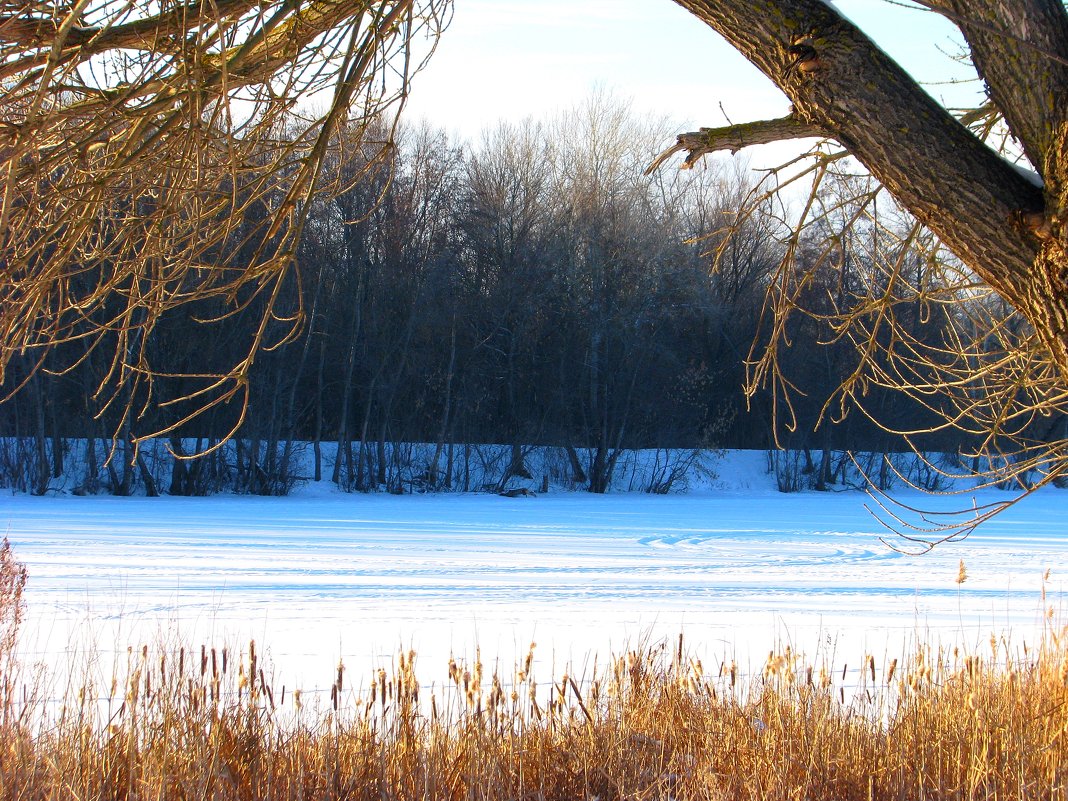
(533, 287)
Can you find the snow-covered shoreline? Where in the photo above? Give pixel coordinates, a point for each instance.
(324, 576)
(94, 467)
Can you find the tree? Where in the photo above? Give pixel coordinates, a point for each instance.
(1004, 224)
(135, 136)
(1000, 222)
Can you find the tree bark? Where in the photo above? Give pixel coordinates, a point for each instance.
(432, 470)
(1007, 228)
(1020, 48)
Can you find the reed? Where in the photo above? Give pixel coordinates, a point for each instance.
(653, 723)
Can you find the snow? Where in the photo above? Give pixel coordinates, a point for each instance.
(1028, 174)
(324, 576)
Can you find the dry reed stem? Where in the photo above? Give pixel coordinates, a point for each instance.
(212, 723)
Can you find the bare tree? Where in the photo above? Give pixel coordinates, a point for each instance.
(1001, 227)
(134, 138)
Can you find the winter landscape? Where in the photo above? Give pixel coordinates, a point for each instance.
(731, 563)
(540, 447)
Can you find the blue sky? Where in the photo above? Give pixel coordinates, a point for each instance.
(508, 59)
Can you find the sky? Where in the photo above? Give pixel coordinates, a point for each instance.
(509, 59)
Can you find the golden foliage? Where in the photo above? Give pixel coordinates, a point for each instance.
(138, 140)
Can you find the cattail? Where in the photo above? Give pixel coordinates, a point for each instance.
(529, 660)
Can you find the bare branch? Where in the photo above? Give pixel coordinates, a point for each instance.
(735, 137)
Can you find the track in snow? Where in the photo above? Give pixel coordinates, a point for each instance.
(325, 576)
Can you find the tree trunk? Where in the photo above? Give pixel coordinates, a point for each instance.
(146, 476)
(823, 476)
(467, 467)
(318, 438)
(449, 466)
(40, 438)
(381, 478)
(88, 485)
(179, 469)
(291, 402)
(517, 465)
(578, 475)
(1007, 228)
(432, 469)
(57, 443)
(343, 436)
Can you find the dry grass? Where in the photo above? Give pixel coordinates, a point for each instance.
(212, 724)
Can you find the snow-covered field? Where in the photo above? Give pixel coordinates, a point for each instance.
(323, 576)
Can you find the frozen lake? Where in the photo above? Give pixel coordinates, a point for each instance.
(324, 576)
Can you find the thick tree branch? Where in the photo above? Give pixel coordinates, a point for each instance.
(272, 45)
(937, 169)
(1020, 49)
(735, 137)
(31, 31)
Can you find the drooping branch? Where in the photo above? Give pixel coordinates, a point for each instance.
(991, 365)
(736, 137)
(150, 158)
